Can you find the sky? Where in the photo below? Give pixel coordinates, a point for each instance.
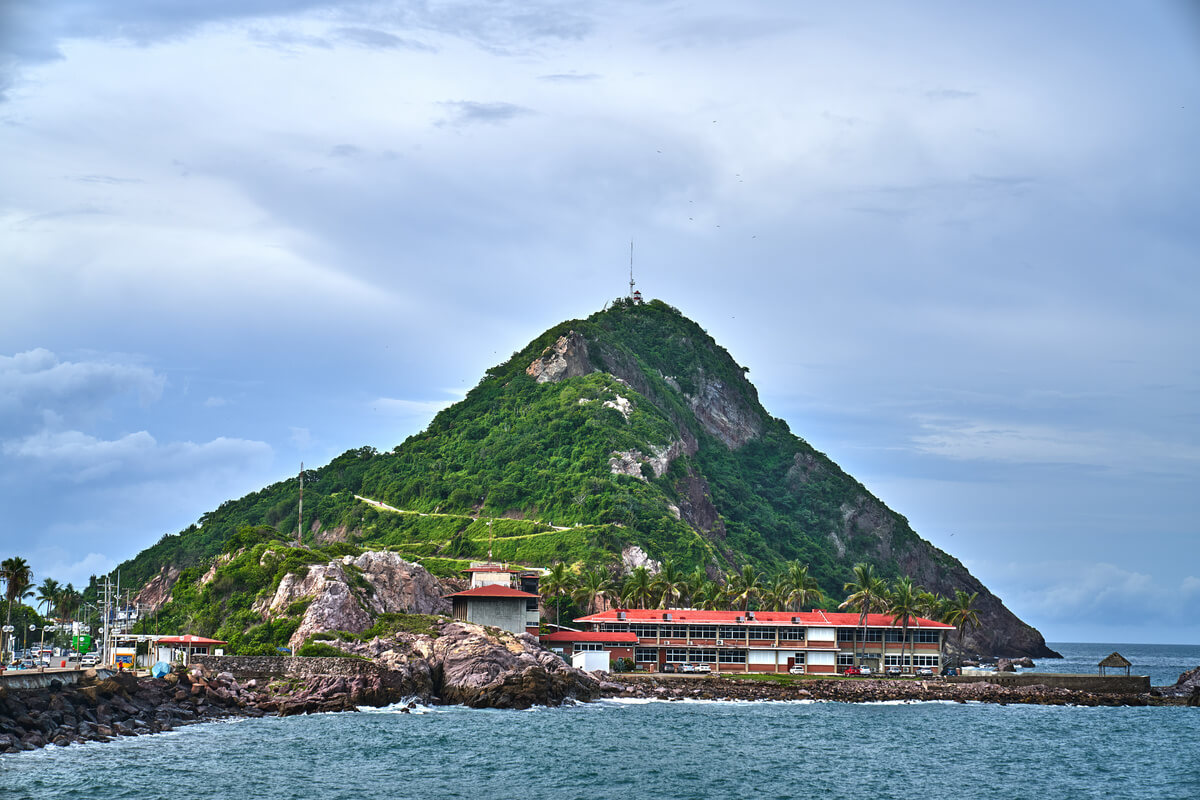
(956, 244)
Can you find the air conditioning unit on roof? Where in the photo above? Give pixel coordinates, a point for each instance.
(620, 615)
(720, 642)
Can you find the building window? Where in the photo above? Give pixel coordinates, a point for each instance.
(644, 654)
(732, 657)
(845, 659)
(765, 632)
(798, 658)
(703, 632)
(926, 636)
(795, 634)
(677, 655)
(702, 656)
(673, 632)
(593, 646)
(732, 632)
(615, 627)
(644, 631)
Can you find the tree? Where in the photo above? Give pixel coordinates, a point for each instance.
(803, 587)
(669, 584)
(69, 601)
(902, 605)
(866, 594)
(961, 613)
(48, 596)
(638, 588)
(697, 587)
(746, 586)
(17, 576)
(591, 587)
(555, 585)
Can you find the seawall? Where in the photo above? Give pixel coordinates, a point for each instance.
(1103, 684)
(244, 668)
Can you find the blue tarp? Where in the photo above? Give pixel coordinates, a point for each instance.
(160, 669)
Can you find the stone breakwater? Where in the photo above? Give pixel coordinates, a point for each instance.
(870, 691)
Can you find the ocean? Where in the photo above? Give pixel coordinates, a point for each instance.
(651, 749)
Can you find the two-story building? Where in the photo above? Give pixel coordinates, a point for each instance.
(504, 597)
(767, 641)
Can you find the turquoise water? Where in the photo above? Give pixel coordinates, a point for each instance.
(639, 749)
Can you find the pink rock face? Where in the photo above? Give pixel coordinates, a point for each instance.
(397, 587)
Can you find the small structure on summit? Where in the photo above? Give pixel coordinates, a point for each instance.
(1115, 660)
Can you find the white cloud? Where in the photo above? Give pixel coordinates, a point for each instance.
(409, 408)
(215, 402)
(1033, 443)
(84, 458)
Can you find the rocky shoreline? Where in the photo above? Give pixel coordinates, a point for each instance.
(100, 708)
(877, 691)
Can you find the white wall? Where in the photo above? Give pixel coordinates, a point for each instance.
(590, 660)
(822, 634)
(762, 656)
(821, 658)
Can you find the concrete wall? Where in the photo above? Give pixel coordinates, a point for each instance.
(269, 667)
(34, 679)
(591, 660)
(504, 613)
(1109, 684)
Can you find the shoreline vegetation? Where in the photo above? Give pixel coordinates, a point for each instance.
(99, 709)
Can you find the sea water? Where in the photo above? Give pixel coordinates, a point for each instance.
(647, 749)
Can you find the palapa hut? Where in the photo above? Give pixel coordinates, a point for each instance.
(1115, 661)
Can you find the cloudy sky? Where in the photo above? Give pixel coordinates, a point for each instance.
(956, 245)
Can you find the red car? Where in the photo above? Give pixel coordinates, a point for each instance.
(857, 671)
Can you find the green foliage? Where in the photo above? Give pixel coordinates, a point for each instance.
(311, 649)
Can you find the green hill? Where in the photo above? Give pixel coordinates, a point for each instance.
(629, 428)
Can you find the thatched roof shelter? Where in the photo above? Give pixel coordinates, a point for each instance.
(1115, 661)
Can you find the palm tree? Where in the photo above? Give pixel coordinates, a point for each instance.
(961, 613)
(557, 584)
(69, 601)
(746, 586)
(697, 586)
(17, 576)
(709, 596)
(902, 605)
(591, 587)
(867, 592)
(638, 588)
(48, 596)
(804, 589)
(775, 598)
(669, 584)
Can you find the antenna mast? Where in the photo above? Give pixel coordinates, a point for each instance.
(631, 270)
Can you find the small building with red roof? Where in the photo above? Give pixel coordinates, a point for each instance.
(180, 649)
(489, 573)
(498, 605)
(822, 642)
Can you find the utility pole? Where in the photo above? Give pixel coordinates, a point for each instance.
(300, 520)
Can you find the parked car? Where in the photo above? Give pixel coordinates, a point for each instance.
(856, 671)
(687, 667)
(925, 672)
(797, 669)
(705, 668)
(893, 672)
(950, 672)
(668, 668)
(89, 660)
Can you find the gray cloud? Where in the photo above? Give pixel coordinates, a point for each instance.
(949, 94)
(372, 37)
(468, 112)
(569, 77)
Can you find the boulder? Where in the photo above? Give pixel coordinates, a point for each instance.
(1188, 684)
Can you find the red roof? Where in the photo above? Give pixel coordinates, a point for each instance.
(188, 638)
(589, 636)
(496, 590)
(815, 619)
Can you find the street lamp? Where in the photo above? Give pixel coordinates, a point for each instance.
(7, 630)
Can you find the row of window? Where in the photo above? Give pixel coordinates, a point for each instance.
(679, 655)
(732, 632)
(911, 661)
(915, 635)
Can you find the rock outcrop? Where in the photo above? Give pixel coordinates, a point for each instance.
(157, 592)
(1188, 685)
(348, 594)
(566, 358)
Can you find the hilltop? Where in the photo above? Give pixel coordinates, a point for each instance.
(630, 433)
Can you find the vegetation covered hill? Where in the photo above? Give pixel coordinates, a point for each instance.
(629, 428)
